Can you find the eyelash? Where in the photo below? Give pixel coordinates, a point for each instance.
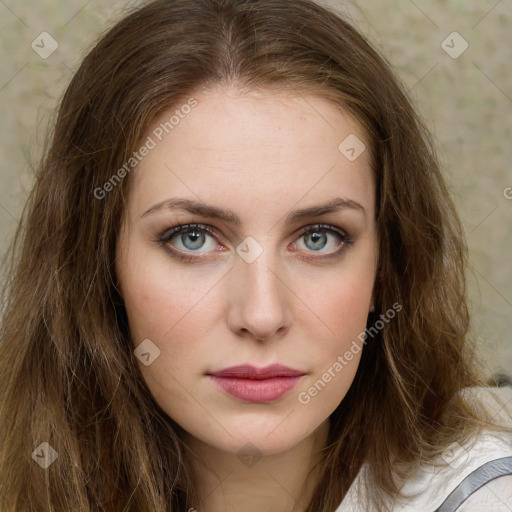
(345, 240)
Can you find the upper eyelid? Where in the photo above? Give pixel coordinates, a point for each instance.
(320, 225)
(171, 232)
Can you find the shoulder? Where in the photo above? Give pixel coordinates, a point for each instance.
(474, 470)
(429, 485)
(495, 495)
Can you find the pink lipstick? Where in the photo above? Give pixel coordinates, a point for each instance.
(256, 385)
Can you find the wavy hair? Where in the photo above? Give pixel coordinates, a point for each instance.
(68, 375)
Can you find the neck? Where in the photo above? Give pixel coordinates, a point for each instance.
(228, 482)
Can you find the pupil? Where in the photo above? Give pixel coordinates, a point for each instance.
(193, 237)
(316, 237)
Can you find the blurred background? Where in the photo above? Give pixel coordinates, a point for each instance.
(454, 57)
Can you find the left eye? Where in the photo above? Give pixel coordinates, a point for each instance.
(317, 238)
(193, 237)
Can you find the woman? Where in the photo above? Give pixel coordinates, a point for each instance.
(240, 283)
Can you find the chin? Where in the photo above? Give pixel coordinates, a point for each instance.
(257, 436)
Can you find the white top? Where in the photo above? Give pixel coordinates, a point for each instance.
(429, 486)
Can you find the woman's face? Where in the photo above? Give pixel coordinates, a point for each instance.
(256, 281)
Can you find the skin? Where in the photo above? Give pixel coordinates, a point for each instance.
(261, 154)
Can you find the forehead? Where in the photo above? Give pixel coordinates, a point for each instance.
(257, 145)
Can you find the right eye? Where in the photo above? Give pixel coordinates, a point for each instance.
(189, 238)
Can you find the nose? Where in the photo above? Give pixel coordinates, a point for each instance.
(260, 301)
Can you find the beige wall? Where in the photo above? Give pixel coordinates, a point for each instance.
(466, 101)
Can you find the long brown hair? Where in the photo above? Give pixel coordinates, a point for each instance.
(67, 370)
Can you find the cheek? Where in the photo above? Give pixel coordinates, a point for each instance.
(344, 301)
(160, 303)
(343, 307)
(173, 315)
(345, 310)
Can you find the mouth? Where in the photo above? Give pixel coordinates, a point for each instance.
(256, 385)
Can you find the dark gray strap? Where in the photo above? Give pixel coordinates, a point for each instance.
(478, 478)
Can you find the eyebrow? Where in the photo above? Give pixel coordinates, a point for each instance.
(230, 217)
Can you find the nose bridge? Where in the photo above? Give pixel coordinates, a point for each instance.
(260, 276)
(259, 296)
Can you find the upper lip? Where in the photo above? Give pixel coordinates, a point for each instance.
(247, 371)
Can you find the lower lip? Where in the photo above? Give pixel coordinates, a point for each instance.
(256, 391)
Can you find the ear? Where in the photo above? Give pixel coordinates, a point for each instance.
(372, 306)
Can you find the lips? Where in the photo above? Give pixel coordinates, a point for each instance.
(256, 385)
(247, 371)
